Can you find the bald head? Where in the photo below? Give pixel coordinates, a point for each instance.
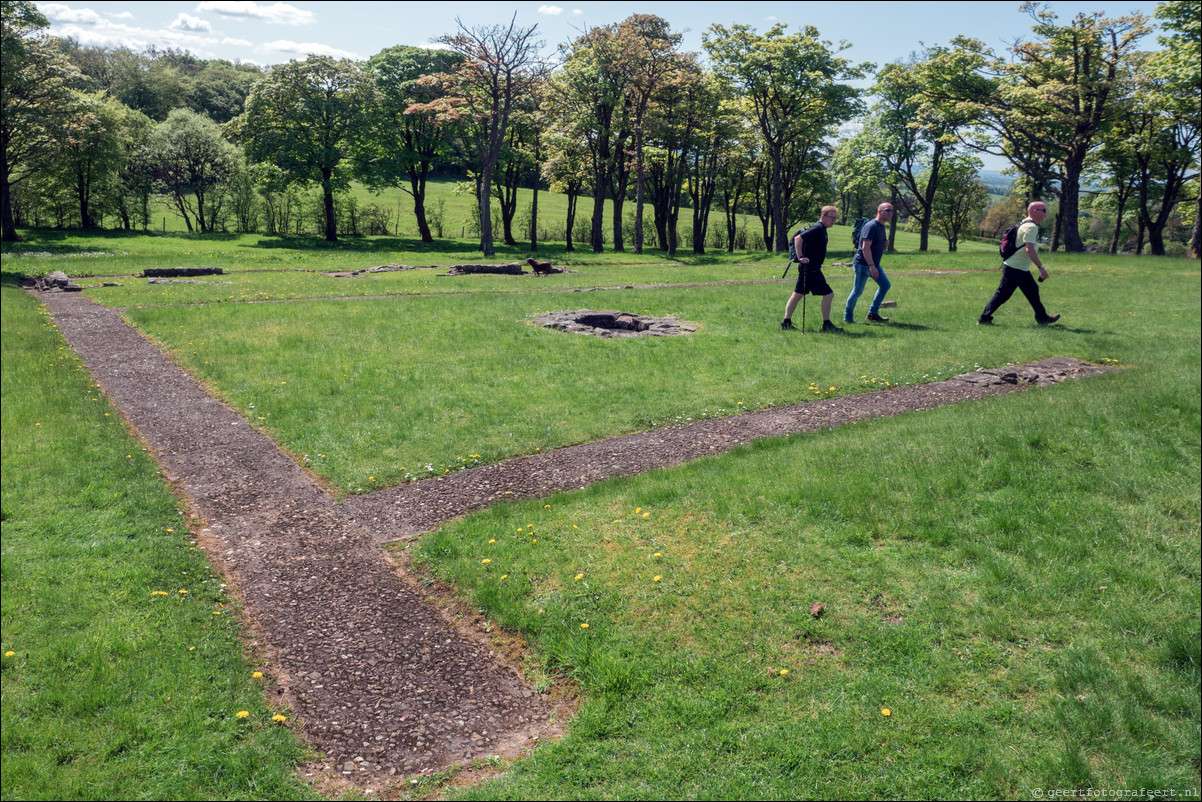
(884, 211)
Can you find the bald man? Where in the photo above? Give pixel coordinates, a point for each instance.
(1016, 270)
(867, 264)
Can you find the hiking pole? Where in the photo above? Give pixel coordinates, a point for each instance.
(782, 275)
(804, 293)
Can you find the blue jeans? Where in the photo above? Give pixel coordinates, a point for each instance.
(857, 289)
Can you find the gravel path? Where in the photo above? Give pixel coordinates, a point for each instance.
(380, 682)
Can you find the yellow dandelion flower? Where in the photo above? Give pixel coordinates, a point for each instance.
(9, 654)
(169, 529)
(646, 515)
(216, 612)
(504, 576)
(158, 593)
(279, 718)
(658, 554)
(637, 510)
(486, 562)
(784, 672)
(886, 711)
(242, 713)
(546, 506)
(183, 591)
(656, 578)
(494, 540)
(584, 626)
(257, 674)
(579, 577)
(191, 648)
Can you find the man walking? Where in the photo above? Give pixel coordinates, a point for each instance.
(1016, 270)
(810, 248)
(867, 264)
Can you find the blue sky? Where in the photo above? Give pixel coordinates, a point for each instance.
(274, 32)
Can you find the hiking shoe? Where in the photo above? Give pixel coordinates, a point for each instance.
(984, 321)
(873, 317)
(847, 322)
(831, 327)
(1049, 320)
(787, 325)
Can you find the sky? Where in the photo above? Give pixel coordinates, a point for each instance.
(273, 32)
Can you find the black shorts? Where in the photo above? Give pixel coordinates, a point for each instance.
(810, 281)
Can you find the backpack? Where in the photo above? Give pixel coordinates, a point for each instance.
(855, 231)
(792, 240)
(1009, 244)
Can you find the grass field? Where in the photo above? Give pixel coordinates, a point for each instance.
(1011, 586)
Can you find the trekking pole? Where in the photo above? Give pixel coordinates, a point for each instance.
(782, 275)
(804, 288)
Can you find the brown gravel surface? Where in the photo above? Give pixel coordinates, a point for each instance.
(379, 680)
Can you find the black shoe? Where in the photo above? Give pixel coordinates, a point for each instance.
(787, 325)
(875, 318)
(984, 321)
(831, 327)
(1047, 321)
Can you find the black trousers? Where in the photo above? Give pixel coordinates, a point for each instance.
(1013, 279)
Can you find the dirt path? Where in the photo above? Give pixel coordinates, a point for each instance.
(379, 681)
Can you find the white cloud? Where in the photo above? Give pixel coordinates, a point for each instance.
(303, 49)
(236, 42)
(120, 15)
(185, 22)
(551, 11)
(276, 13)
(576, 12)
(57, 12)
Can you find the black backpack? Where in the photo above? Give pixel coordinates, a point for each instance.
(1009, 244)
(855, 231)
(793, 239)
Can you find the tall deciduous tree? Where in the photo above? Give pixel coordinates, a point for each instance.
(793, 83)
(404, 139)
(1045, 106)
(960, 199)
(35, 102)
(304, 117)
(192, 162)
(1178, 69)
(501, 64)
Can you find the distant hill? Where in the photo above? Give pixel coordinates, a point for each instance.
(998, 184)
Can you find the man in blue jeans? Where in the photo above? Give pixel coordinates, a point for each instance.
(867, 264)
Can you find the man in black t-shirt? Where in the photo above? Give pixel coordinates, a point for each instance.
(810, 247)
(867, 264)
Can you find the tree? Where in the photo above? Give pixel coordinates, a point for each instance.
(35, 102)
(589, 93)
(305, 117)
(1043, 108)
(1177, 69)
(792, 82)
(651, 62)
(403, 139)
(857, 172)
(89, 154)
(500, 66)
(960, 199)
(190, 157)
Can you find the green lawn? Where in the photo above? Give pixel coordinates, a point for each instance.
(1016, 581)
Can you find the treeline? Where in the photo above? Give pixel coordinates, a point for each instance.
(766, 127)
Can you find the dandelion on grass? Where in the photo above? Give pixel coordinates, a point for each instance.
(886, 712)
(242, 714)
(280, 718)
(257, 675)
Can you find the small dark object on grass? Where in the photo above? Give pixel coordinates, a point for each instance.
(542, 268)
(817, 609)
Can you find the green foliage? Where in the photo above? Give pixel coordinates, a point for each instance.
(190, 157)
(304, 118)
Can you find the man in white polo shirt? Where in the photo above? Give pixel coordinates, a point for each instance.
(1016, 270)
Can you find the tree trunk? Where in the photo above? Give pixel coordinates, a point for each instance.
(573, 196)
(417, 184)
(327, 191)
(779, 245)
(485, 200)
(1193, 240)
(1070, 197)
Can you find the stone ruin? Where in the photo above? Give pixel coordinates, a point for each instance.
(56, 282)
(614, 324)
(177, 272)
